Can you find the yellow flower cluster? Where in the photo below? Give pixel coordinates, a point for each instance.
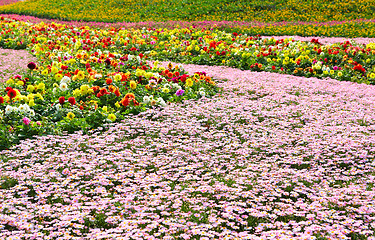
(197, 10)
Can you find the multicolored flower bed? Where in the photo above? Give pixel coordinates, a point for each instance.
(86, 77)
(81, 83)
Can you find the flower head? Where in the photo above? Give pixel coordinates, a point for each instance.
(112, 117)
(72, 100)
(26, 121)
(133, 85)
(31, 65)
(70, 115)
(12, 93)
(180, 92)
(61, 100)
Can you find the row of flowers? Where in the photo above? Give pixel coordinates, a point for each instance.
(134, 11)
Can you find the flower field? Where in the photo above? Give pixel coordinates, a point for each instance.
(187, 125)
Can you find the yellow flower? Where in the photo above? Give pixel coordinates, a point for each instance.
(41, 86)
(133, 85)
(84, 89)
(112, 117)
(117, 77)
(105, 108)
(20, 83)
(54, 70)
(76, 92)
(58, 77)
(81, 75)
(10, 81)
(165, 90)
(331, 72)
(117, 104)
(70, 115)
(39, 96)
(45, 72)
(31, 103)
(189, 82)
(30, 88)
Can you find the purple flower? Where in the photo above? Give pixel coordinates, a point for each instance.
(179, 92)
(26, 121)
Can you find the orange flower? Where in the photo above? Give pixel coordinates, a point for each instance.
(111, 88)
(108, 81)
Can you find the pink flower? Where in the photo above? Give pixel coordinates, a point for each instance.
(26, 121)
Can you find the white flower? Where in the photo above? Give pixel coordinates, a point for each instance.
(161, 102)
(63, 86)
(176, 86)
(146, 99)
(9, 109)
(24, 108)
(65, 79)
(98, 76)
(202, 93)
(152, 83)
(54, 91)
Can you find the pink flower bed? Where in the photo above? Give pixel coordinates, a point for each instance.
(272, 157)
(7, 2)
(13, 62)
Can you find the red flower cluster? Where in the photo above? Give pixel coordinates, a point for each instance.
(359, 68)
(11, 92)
(129, 97)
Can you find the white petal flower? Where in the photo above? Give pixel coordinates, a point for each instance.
(63, 86)
(65, 79)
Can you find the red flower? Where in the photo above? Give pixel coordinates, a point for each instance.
(108, 81)
(61, 100)
(7, 89)
(72, 100)
(103, 91)
(12, 93)
(1, 100)
(117, 93)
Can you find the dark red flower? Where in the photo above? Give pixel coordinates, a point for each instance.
(107, 61)
(61, 100)
(31, 65)
(1, 100)
(72, 100)
(7, 89)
